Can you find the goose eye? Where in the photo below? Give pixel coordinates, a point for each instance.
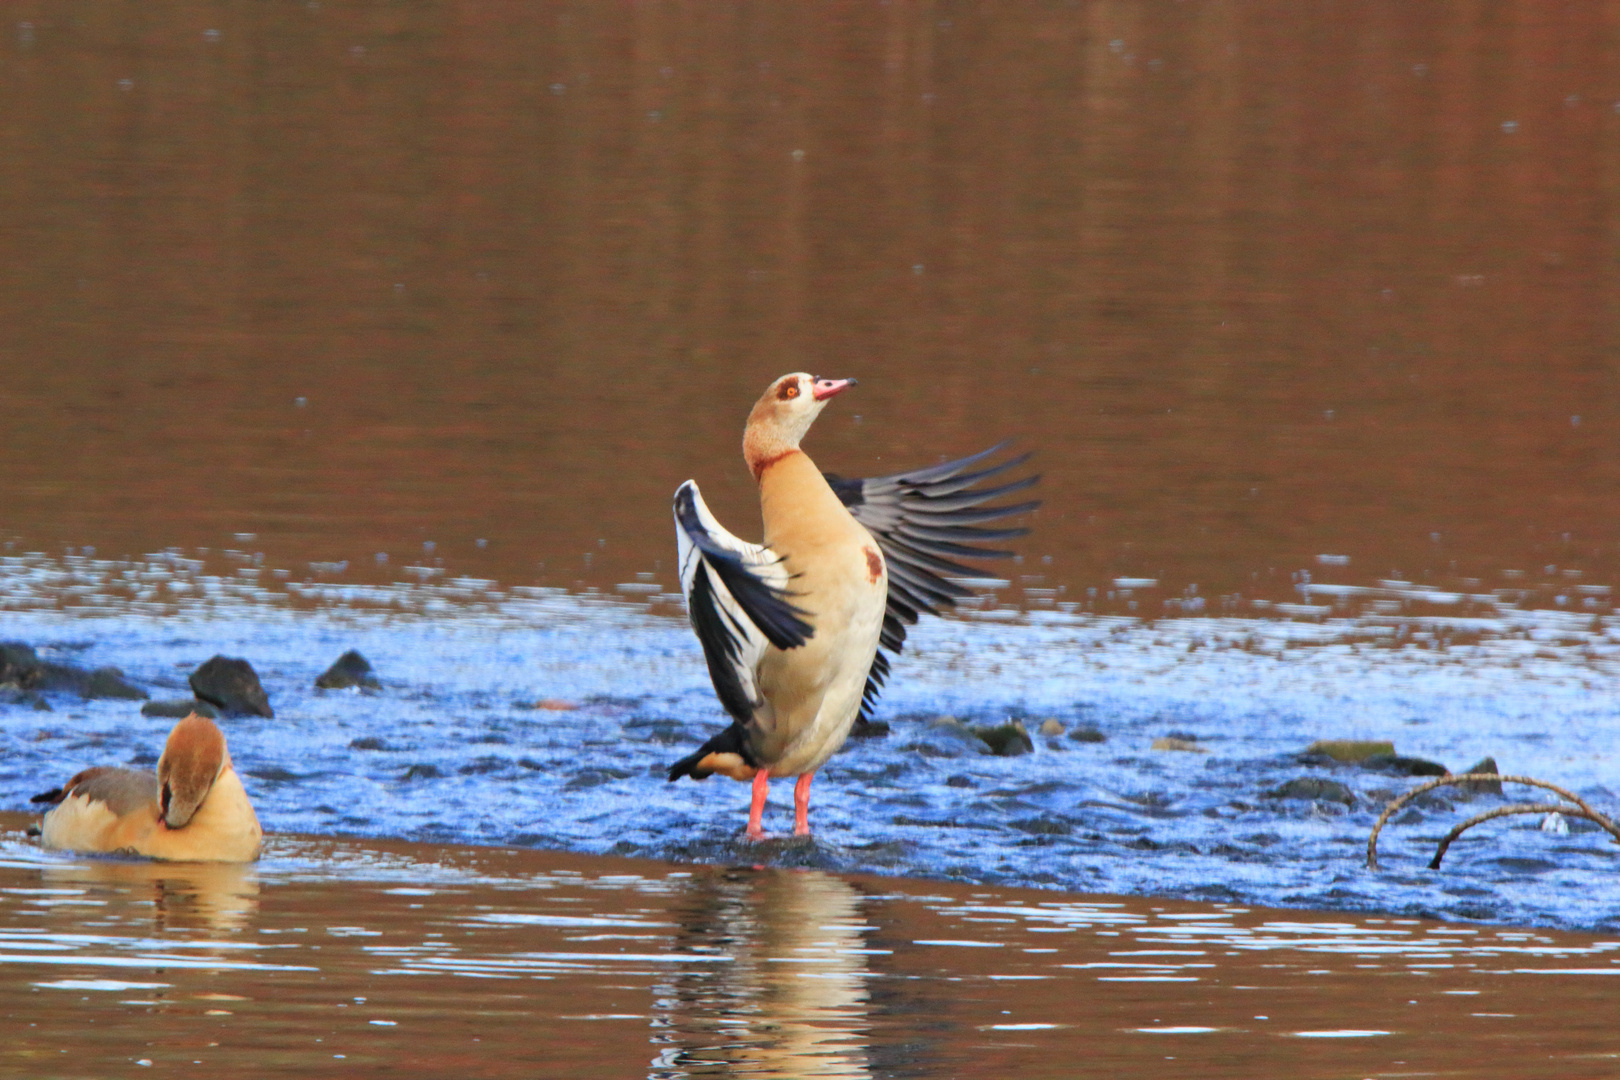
(788, 392)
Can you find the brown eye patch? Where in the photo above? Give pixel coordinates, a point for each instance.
(788, 391)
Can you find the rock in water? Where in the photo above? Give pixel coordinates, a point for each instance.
(109, 682)
(350, 669)
(1051, 726)
(1350, 750)
(19, 664)
(179, 708)
(1481, 787)
(1087, 734)
(1006, 740)
(12, 696)
(232, 685)
(1400, 765)
(1171, 742)
(1315, 788)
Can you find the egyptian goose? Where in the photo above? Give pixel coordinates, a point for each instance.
(193, 810)
(793, 629)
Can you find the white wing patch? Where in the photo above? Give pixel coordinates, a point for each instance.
(738, 596)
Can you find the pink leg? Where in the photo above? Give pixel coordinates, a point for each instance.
(762, 783)
(801, 805)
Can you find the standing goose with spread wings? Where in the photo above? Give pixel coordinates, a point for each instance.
(794, 629)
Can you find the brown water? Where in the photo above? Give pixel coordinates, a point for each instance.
(1258, 282)
(475, 288)
(344, 958)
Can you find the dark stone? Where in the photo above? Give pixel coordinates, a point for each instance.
(1347, 751)
(179, 708)
(233, 686)
(421, 772)
(931, 751)
(273, 773)
(1043, 826)
(12, 696)
(368, 742)
(589, 778)
(1087, 734)
(109, 682)
(869, 729)
(19, 664)
(1481, 787)
(1315, 788)
(1400, 765)
(959, 781)
(350, 669)
(1006, 740)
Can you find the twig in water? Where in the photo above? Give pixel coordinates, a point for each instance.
(1577, 808)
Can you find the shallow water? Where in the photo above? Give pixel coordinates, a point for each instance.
(339, 957)
(547, 720)
(394, 327)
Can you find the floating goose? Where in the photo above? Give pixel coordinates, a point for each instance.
(794, 629)
(193, 810)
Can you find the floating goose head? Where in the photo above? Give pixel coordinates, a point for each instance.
(192, 760)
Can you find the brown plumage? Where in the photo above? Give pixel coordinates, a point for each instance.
(193, 809)
(791, 628)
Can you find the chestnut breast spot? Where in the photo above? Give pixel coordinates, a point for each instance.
(874, 566)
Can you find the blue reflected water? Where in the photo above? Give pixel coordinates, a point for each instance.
(542, 719)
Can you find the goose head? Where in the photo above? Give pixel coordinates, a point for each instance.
(784, 413)
(192, 760)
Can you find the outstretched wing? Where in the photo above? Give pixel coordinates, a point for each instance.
(924, 520)
(737, 595)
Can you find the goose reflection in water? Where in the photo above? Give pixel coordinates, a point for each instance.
(213, 897)
(792, 1001)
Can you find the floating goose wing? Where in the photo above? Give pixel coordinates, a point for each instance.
(737, 595)
(123, 791)
(924, 520)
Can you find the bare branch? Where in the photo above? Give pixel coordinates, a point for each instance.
(1584, 811)
(1501, 811)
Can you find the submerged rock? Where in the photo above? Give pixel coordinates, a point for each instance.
(21, 667)
(12, 696)
(950, 725)
(869, 729)
(350, 669)
(368, 742)
(1350, 751)
(1006, 740)
(109, 682)
(232, 685)
(421, 772)
(1481, 787)
(1400, 765)
(1316, 788)
(1171, 742)
(1043, 826)
(179, 708)
(19, 664)
(1087, 734)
